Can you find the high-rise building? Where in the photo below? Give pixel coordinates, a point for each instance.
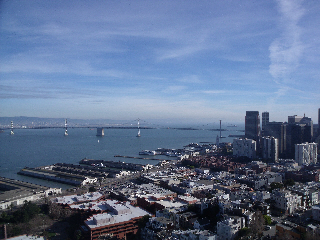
(265, 120)
(244, 148)
(279, 131)
(252, 125)
(294, 119)
(270, 148)
(299, 130)
(318, 121)
(306, 153)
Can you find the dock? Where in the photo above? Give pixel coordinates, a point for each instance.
(144, 158)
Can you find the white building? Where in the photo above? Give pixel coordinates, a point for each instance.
(306, 153)
(285, 200)
(193, 235)
(228, 229)
(270, 148)
(244, 147)
(316, 212)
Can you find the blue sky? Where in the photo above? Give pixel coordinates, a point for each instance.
(185, 61)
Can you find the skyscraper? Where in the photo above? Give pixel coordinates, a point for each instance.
(265, 120)
(299, 130)
(318, 121)
(252, 125)
(279, 131)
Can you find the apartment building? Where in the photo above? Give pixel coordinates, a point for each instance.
(285, 200)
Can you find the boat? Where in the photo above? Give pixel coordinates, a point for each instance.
(147, 152)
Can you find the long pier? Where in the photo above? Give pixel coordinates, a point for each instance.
(157, 159)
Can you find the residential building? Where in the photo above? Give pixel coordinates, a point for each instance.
(228, 228)
(306, 153)
(285, 200)
(270, 148)
(193, 235)
(316, 212)
(244, 148)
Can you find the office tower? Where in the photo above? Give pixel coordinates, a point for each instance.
(318, 116)
(318, 121)
(279, 131)
(306, 153)
(299, 130)
(265, 120)
(294, 119)
(252, 125)
(270, 148)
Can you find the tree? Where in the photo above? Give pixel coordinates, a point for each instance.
(288, 182)
(257, 224)
(275, 185)
(267, 219)
(243, 232)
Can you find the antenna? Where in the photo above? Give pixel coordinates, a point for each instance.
(65, 126)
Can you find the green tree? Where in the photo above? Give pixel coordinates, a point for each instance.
(275, 185)
(267, 219)
(288, 182)
(256, 225)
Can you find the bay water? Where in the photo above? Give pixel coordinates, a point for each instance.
(41, 147)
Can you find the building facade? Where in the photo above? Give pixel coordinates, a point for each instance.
(120, 220)
(244, 148)
(270, 146)
(252, 125)
(265, 120)
(286, 201)
(279, 131)
(228, 229)
(306, 153)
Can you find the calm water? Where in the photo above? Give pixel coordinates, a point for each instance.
(40, 147)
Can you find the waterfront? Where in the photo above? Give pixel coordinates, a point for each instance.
(40, 147)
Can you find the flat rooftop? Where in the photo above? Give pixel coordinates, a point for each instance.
(127, 211)
(11, 189)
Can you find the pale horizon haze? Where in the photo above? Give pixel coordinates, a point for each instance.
(178, 61)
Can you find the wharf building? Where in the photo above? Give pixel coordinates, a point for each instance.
(306, 153)
(15, 192)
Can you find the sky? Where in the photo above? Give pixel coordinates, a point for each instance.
(170, 61)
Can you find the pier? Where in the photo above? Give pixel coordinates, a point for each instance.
(144, 158)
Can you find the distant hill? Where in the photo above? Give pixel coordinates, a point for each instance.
(36, 122)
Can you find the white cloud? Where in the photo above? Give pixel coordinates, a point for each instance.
(287, 49)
